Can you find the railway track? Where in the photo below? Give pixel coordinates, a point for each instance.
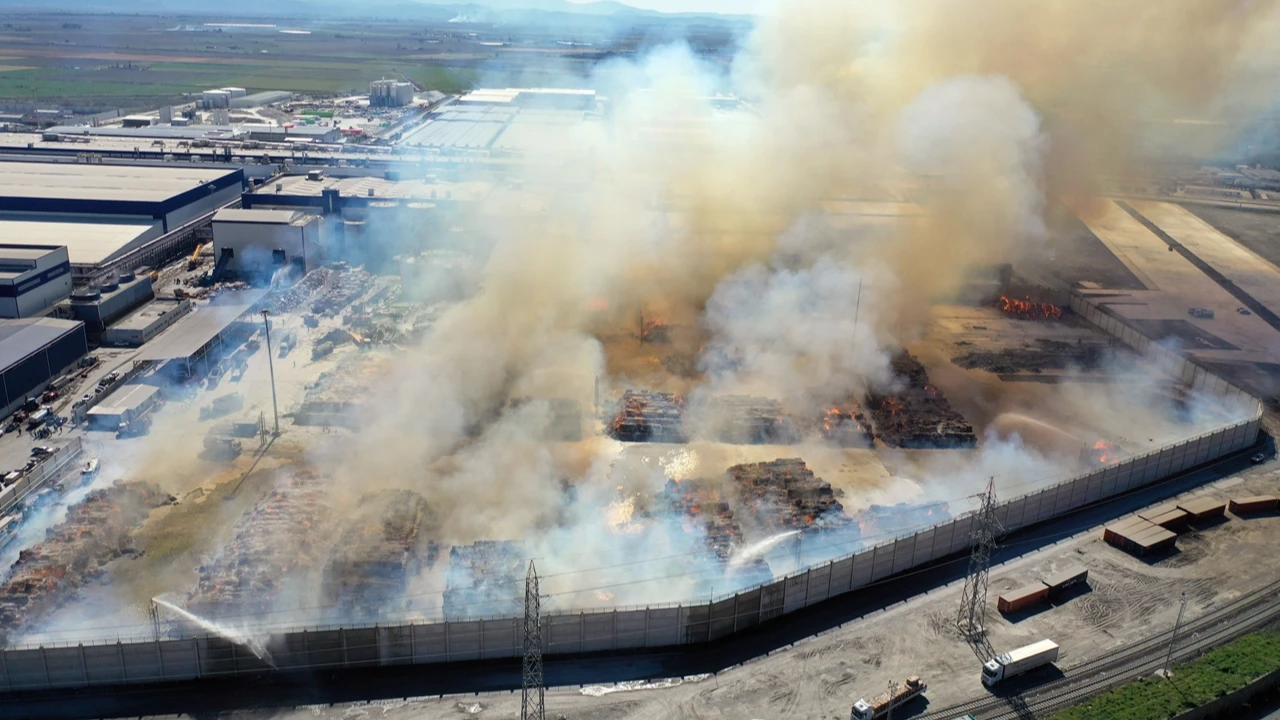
(1250, 611)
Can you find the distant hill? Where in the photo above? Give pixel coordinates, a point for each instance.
(336, 9)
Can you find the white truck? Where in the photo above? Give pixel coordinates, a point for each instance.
(1017, 662)
(881, 705)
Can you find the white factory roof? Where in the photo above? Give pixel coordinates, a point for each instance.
(129, 397)
(76, 181)
(20, 338)
(265, 217)
(195, 331)
(88, 242)
(382, 189)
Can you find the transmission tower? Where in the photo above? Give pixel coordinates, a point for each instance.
(532, 696)
(972, 618)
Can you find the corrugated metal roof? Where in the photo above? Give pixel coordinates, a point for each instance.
(193, 332)
(87, 243)
(129, 397)
(77, 181)
(21, 338)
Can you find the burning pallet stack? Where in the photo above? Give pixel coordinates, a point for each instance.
(786, 495)
(280, 538)
(484, 578)
(747, 420)
(918, 417)
(706, 511)
(380, 550)
(95, 532)
(646, 416)
(846, 425)
(1028, 309)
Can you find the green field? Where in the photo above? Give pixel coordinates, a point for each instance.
(1219, 672)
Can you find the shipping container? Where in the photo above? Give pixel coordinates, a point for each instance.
(1016, 600)
(1059, 582)
(1204, 509)
(1168, 516)
(1254, 504)
(1138, 536)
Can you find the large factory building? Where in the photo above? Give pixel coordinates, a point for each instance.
(32, 279)
(258, 242)
(34, 351)
(103, 213)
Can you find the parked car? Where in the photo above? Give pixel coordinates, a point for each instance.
(1257, 459)
(40, 451)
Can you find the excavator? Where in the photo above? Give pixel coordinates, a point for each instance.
(193, 262)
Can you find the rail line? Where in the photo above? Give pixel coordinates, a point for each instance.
(1094, 676)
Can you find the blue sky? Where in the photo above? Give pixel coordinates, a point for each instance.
(719, 6)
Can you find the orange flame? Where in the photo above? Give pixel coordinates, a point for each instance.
(1028, 309)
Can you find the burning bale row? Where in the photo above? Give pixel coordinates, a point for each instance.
(383, 546)
(785, 495)
(96, 531)
(918, 416)
(281, 538)
(645, 416)
(747, 420)
(484, 578)
(705, 510)
(846, 425)
(1028, 309)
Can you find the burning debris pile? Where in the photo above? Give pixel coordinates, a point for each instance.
(563, 417)
(655, 331)
(785, 495)
(1028, 309)
(746, 420)
(846, 425)
(918, 417)
(280, 538)
(705, 511)
(1102, 453)
(484, 578)
(383, 546)
(882, 522)
(290, 299)
(1046, 354)
(646, 416)
(95, 532)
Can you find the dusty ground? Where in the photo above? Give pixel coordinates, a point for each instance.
(1258, 231)
(821, 676)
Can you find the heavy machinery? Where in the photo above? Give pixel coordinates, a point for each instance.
(1016, 662)
(222, 447)
(193, 262)
(881, 705)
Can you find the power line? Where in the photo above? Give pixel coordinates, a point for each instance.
(972, 616)
(533, 690)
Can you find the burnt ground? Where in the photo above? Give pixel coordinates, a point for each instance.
(1257, 230)
(1072, 254)
(1044, 354)
(821, 673)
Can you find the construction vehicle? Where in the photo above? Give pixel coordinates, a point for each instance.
(1017, 662)
(322, 350)
(136, 427)
(886, 702)
(223, 447)
(193, 262)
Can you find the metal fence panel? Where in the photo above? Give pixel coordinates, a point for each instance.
(463, 639)
(819, 584)
(904, 553)
(697, 623)
(882, 562)
(722, 617)
(630, 632)
(842, 574)
(501, 637)
(797, 592)
(862, 566)
(362, 647)
(563, 633)
(771, 599)
(103, 664)
(598, 631)
(180, 659)
(663, 627)
(430, 643)
(924, 546)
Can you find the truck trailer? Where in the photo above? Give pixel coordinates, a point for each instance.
(880, 705)
(1017, 662)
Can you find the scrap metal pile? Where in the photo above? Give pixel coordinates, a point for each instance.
(785, 495)
(96, 531)
(747, 420)
(484, 578)
(292, 298)
(281, 538)
(646, 416)
(883, 522)
(347, 287)
(383, 546)
(918, 416)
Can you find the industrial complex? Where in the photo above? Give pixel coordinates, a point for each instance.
(295, 381)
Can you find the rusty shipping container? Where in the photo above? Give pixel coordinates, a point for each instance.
(1254, 504)
(1138, 536)
(1060, 582)
(1016, 600)
(1202, 509)
(1168, 516)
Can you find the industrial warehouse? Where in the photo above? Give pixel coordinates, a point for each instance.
(740, 393)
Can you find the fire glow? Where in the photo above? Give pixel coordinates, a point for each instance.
(1028, 309)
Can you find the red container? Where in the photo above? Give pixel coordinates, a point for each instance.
(1015, 600)
(1254, 504)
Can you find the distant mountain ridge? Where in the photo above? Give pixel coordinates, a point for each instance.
(344, 8)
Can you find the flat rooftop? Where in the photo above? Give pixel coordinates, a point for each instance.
(142, 318)
(95, 182)
(382, 189)
(256, 216)
(20, 338)
(88, 242)
(25, 252)
(126, 398)
(193, 332)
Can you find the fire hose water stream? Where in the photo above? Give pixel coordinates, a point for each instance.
(252, 644)
(758, 549)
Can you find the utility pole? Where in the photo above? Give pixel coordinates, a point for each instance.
(1173, 638)
(275, 409)
(972, 617)
(533, 692)
(893, 692)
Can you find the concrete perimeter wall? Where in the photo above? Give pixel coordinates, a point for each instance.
(569, 632)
